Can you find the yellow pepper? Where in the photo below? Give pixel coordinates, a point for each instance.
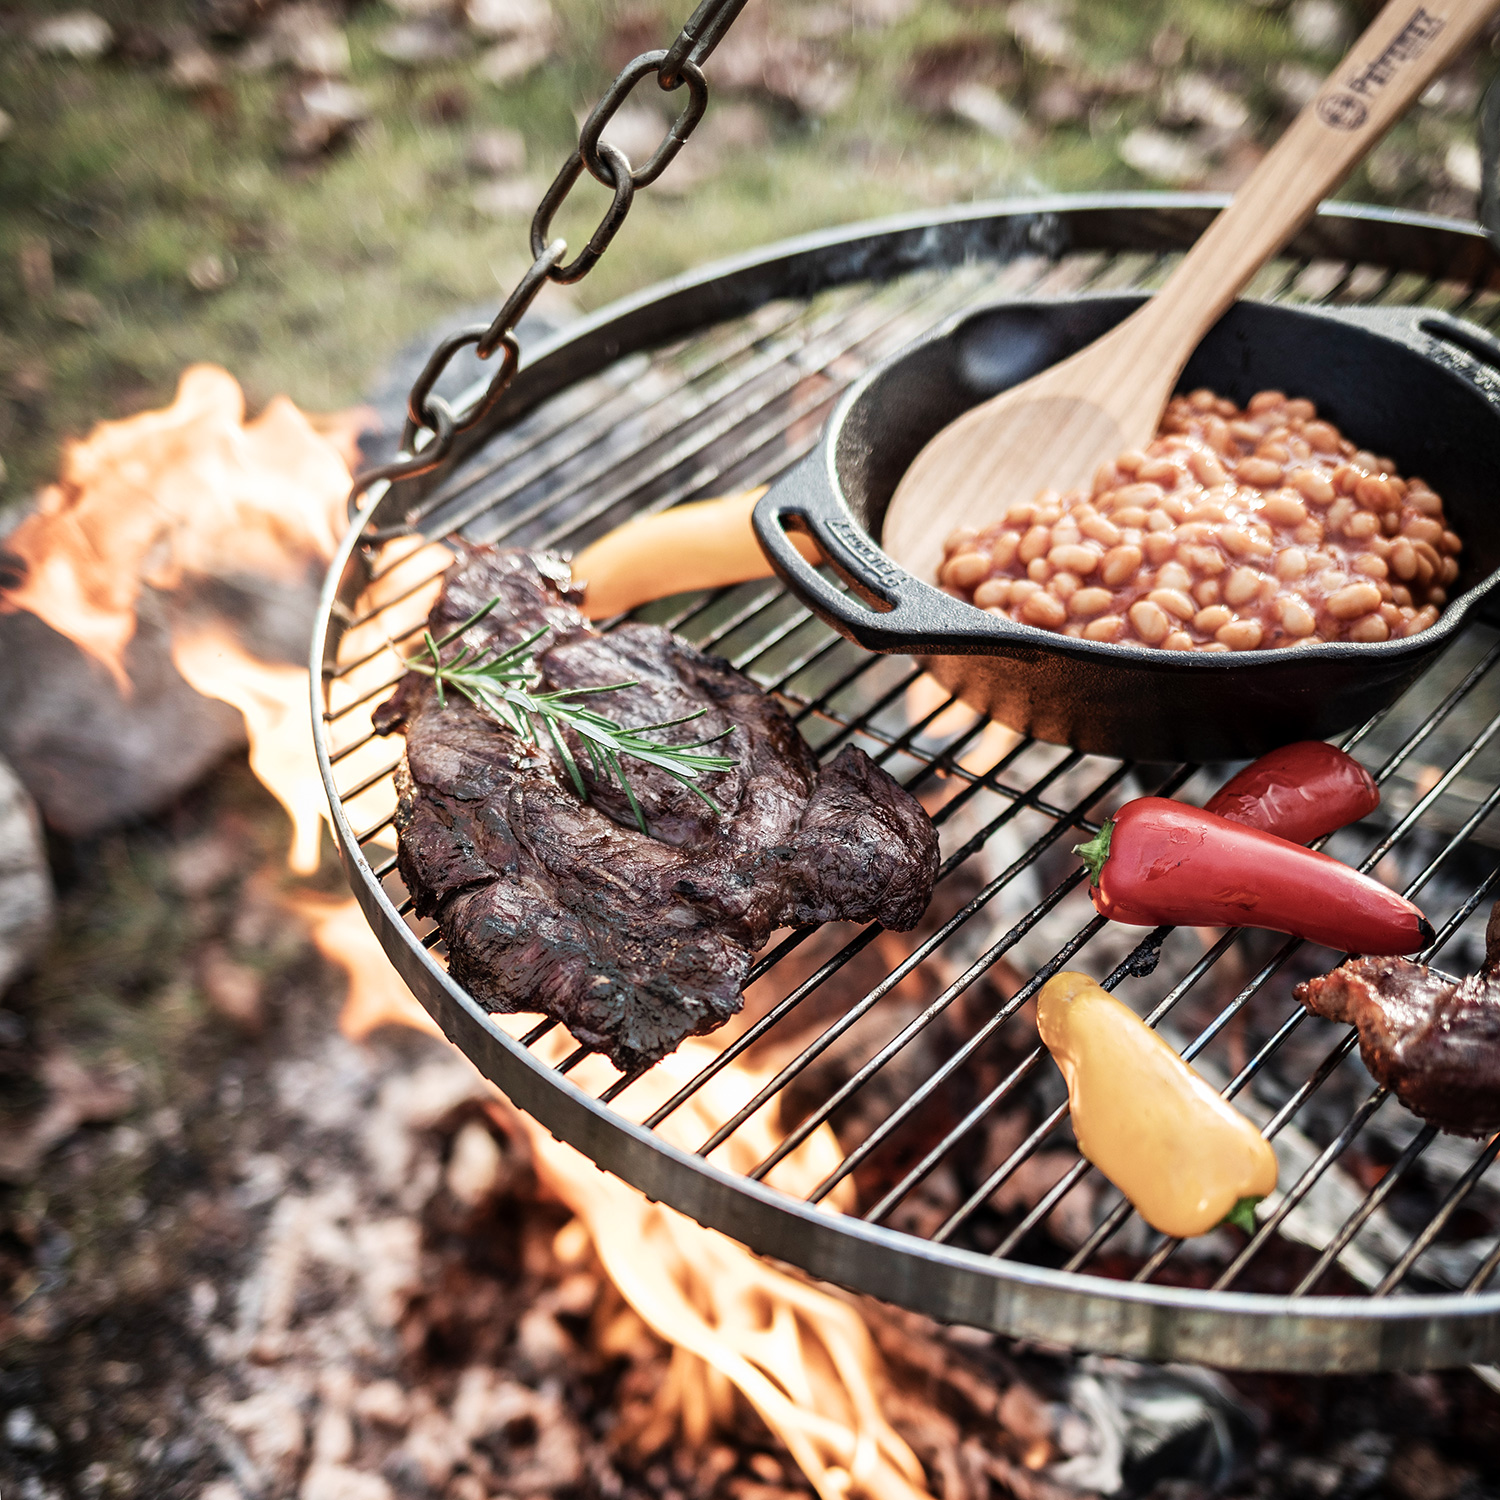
(1183, 1156)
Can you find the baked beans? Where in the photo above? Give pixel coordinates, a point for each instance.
(1235, 530)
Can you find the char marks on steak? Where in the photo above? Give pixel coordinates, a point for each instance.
(1432, 1039)
(555, 905)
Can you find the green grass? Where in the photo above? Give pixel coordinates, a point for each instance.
(339, 262)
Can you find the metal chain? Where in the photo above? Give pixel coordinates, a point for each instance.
(677, 66)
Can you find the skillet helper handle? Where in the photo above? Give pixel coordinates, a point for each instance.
(1407, 45)
(805, 499)
(1479, 351)
(1476, 356)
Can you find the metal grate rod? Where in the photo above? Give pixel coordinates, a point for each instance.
(771, 373)
(1456, 1195)
(763, 966)
(853, 1013)
(601, 424)
(886, 335)
(1303, 1185)
(1373, 1200)
(961, 1055)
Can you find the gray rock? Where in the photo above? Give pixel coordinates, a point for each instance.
(91, 758)
(26, 902)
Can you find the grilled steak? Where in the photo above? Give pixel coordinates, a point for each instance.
(553, 904)
(1432, 1039)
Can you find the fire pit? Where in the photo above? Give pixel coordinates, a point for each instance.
(884, 1117)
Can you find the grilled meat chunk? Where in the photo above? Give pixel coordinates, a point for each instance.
(556, 905)
(1432, 1039)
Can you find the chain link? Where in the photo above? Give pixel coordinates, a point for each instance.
(432, 426)
(614, 171)
(619, 91)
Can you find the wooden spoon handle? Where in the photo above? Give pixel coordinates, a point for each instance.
(1396, 58)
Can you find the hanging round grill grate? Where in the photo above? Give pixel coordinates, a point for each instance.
(881, 1115)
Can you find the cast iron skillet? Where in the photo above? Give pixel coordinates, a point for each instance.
(1413, 384)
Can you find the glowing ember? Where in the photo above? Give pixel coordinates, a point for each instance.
(800, 1355)
(189, 489)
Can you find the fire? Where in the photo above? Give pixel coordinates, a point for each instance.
(377, 996)
(274, 702)
(195, 489)
(801, 1356)
(994, 743)
(189, 489)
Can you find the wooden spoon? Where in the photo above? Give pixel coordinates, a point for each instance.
(1053, 431)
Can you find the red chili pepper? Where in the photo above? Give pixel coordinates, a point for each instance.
(1161, 861)
(1299, 792)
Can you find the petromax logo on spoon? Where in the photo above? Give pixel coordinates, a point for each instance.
(1345, 110)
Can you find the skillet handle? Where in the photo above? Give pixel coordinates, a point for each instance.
(898, 611)
(1482, 350)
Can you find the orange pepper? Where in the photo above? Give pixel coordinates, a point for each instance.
(706, 544)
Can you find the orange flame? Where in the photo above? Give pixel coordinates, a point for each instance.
(800, 1355)
(377, 995)
(189, 489)
(926, 694)
(274, 702)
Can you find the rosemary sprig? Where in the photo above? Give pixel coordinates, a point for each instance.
(503, 684)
